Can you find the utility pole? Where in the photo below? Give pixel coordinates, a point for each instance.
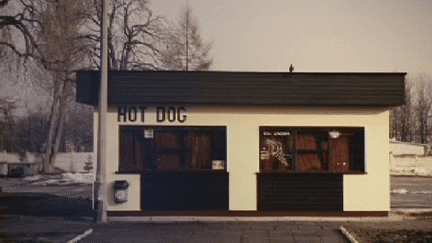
(100, 188)
(187, 38)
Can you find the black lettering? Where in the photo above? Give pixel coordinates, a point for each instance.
(143, 108)
(171, 114)
(132, 113)
(160, 114)
(122, 110)
(181, 118)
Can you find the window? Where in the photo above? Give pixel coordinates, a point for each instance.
(172, 148)
(305, 149)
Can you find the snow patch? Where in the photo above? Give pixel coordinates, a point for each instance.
(62, 179)
(411, 171)
(422, 192)
(399, 191)
(33, 178)
(405, 191)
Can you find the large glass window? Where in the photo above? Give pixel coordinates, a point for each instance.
(172, 148)
(302, 149)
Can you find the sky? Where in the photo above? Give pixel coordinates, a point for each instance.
(313, 35)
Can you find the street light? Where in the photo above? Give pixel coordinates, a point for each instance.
(100, 189)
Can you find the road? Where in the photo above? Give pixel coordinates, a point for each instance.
(411, 192)
(83, 191)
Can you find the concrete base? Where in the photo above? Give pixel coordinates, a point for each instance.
(393, 217)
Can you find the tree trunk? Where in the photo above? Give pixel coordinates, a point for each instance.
(47, 166)
(59, 89)
(63, 112)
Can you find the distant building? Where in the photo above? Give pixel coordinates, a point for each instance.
(406, 148)
(9, 157)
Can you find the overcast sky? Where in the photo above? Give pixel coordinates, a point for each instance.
(313, 35)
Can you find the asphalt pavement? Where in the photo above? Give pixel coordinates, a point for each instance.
(42, 217)
(214, 232)
(31, 228)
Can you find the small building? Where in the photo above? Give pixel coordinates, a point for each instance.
(10, 157)
(247, 143)
(405, 148)
(16, 165)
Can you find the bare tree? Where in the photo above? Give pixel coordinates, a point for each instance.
(50, 30)
(78, 132)
(422, 106)
(185, 50)
(3, 3)
(56, 37)
(62, 48)
(401, 117)
(7, 121)
(135, 35)
(410, 122)
(33, 128)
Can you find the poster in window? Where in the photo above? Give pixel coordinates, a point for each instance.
(273, 151)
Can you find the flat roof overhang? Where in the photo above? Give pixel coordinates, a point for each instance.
(244, 88)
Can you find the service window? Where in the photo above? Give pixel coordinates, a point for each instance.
(304, 149)
(154, 148)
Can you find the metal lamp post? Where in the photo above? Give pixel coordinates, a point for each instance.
(100, 188)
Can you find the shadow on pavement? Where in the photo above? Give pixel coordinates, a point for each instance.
(45, 205)
(41, 217)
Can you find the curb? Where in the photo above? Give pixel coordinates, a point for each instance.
(347, 235)
(81, 236)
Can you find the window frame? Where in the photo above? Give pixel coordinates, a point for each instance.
(357, 156)
(157, 130)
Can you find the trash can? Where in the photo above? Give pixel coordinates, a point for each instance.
(121, 191)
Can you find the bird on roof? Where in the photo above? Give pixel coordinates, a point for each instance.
(291, 68)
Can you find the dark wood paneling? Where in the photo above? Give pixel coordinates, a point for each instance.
(245, 88)
(184, 191)
(300, 192)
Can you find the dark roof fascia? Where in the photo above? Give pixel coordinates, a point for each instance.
(400, 74)
(88, 87)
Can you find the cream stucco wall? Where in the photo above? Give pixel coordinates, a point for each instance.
(366, 192)
(371, 192)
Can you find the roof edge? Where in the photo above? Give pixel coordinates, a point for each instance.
(257, 72)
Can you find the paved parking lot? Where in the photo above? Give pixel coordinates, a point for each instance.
(61, 213)
(224, 232)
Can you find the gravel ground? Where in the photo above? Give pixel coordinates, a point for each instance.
(386, 235)
(412, 229)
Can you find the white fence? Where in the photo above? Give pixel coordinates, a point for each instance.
(9, 157)
(410, 161)
(75, 161)
(403, 148)
(68, 162)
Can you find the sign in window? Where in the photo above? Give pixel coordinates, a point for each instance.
(306, 149)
